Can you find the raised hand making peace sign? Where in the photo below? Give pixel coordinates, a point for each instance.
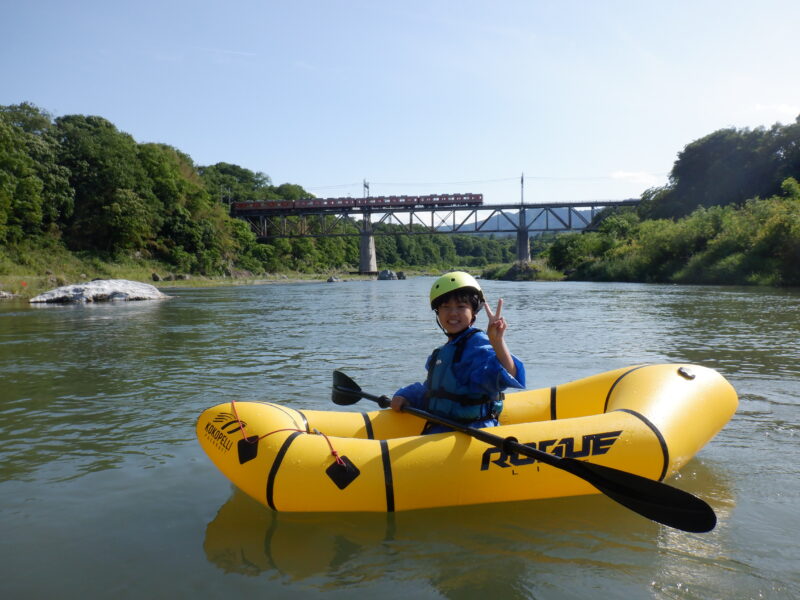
(497, 325)
(496, 330)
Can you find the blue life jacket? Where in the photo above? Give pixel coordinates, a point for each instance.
(446, 397)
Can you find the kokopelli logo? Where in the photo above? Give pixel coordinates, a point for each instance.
(221, 427)
(230, 423)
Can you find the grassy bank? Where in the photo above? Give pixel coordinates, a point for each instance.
(27, 271)
(30, 269)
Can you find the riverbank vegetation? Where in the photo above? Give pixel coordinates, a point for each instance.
(755, 244)
(80, 199)
(729, 215)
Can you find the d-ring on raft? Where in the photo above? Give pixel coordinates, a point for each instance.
(648, 421)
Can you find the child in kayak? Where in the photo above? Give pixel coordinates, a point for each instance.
(466, 376)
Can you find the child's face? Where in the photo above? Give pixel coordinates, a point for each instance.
(455, 315)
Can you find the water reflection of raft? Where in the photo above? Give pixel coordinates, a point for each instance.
(318, 547)
(648, 420)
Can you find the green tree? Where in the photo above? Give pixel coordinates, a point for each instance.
(728, 166)
(290, 191)
(127, 220)
(110, 185)
(27, 117)
(569, 251)
(386, 251)
(338, 252)
(194, 231)
(228, 183)
(18, 190)
(41, 196)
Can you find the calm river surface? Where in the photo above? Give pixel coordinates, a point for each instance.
(105, 493)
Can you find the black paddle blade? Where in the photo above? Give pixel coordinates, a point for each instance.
(345, 391)
(652, 499)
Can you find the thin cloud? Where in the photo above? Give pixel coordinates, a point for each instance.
(779, 111)
(302, 65)
(228, 52)
(217, 55)
(641, 177)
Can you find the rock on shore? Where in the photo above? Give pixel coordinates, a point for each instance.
(100, 290)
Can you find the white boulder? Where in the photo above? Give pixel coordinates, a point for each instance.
(100, 290)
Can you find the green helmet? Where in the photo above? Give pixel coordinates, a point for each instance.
(456, 280)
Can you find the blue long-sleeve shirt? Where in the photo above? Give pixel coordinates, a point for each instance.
(478, 368)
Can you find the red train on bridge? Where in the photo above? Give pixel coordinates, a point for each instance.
(370, 202)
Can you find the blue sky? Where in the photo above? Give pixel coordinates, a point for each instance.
(591, 100)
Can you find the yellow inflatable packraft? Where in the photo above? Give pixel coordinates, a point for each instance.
(648, 420)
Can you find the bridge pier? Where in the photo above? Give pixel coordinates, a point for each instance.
(367, 263)
(523, 238)
(523, 246)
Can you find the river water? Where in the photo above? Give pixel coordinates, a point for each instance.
(105, 493)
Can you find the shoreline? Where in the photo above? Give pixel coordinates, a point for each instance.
(25, 288)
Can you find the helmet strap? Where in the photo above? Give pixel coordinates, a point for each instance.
(444, 331)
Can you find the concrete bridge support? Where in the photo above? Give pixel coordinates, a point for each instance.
(367, 262)
(523, 238)
(523, 246)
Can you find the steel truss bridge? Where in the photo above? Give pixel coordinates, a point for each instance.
(521, 219)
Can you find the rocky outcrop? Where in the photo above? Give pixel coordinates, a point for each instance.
(387, 275)
(170, 277)
(100, 290)
(521, 271)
